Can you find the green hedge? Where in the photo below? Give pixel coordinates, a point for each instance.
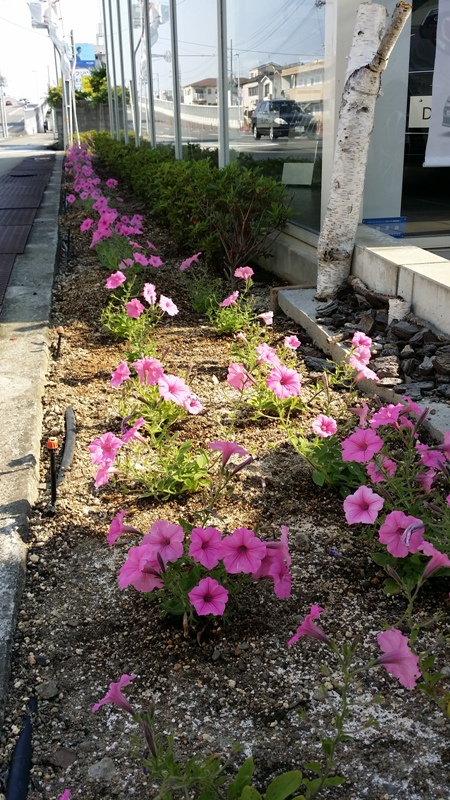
(227, 214)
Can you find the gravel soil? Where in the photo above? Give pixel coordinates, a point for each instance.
(78, 631)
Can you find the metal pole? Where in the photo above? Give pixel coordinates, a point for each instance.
(122, 75)
(150, 95)
(134, 89)
(108, 73)
(113, 62)
(175, 81)
(222, 84)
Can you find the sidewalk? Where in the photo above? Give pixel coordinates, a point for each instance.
(24, 348)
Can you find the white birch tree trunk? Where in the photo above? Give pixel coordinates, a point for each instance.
(368, 58)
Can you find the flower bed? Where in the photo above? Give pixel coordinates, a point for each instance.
(250, 402)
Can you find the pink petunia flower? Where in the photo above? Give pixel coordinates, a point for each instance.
(324, 426)
(365, 372)
(267, 355)
(193, 405)
(155, 261)
(426, 479)
(133, 432)
(111, 183)
(71, 198)
(398, 658)
(173, 389)
(166, 304)
(267, 317)
(377, 474)
(208, 597)
(165, 538)
(104, 449)
(388, 415)
(309, 628)
(103, 474)
(134, 308)
(242, 551)
(282, 547)
(243, 272)
(86, 224)
(292, 342)
(149, 293)
(140, 259)
(238, 377)
(115, 280)
(119, 375)
(206, 546)
(362, 506)
(395, 535)
(282, 578)
(231, 300)
(114, 695)
(437, 560)
(117, 527)
(189, 261)
(141, 570)
(430, 458)
(284, 382)
(65, 795)
(361, 413)
(227, 449)
(361, 340)
(149, 370)
(361, 446)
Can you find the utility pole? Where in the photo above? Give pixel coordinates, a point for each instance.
(4, 121)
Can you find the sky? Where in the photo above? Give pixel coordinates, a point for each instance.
(26, 54)
(259, 31)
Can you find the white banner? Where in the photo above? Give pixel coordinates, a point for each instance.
(438, 145)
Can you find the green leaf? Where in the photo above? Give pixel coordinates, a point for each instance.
(391, 587)
(314, 766)
(336, 780)
(242, 778)
(318, 478)
(382, 559)
(250, 793)
(284, 785)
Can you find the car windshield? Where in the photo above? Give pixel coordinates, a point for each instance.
(286, 108)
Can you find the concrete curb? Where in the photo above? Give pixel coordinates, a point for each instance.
(300, 305)
(24, 355)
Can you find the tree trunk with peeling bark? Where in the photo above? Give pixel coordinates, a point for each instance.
(371, 48)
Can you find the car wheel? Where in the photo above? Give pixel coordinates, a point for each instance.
(272, 135)
(256, 134)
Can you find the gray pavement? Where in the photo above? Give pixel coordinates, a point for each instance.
(24, 353)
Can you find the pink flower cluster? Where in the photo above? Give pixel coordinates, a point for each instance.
(150, 372)
(283, 381)
(401, 533)
(240, 552)
(360, 356)
(86, 184)
(397, 656)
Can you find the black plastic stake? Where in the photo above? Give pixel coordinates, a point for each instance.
(52, 446)
(60, 332)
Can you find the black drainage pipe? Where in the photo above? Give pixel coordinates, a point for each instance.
(19, 771)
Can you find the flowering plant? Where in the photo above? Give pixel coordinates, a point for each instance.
(196, 566)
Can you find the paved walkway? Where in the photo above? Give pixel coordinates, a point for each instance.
(24, 349)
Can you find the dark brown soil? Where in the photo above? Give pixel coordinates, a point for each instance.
(225, 682)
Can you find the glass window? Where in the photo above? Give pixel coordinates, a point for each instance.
(425, 198)
(275, 62)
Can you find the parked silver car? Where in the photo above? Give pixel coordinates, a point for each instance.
(274, 118)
